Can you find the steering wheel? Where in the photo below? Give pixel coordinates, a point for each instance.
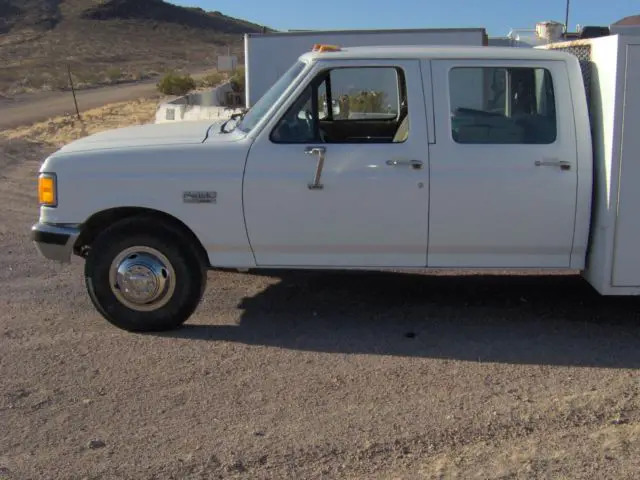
(309, 117)
(308, 123)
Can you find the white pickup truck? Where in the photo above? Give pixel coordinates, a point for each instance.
(430, 157)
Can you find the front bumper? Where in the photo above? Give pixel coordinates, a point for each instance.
(55, 242)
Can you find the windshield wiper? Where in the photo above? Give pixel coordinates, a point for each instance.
(239, 116)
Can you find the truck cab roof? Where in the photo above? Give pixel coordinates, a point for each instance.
(435, 52)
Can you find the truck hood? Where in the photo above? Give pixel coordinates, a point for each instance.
(152, 135)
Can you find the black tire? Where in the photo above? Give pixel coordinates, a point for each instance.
(189, 280)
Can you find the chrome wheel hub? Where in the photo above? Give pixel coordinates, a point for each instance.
(142, 278)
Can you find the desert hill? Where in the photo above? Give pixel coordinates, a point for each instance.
(108, 41)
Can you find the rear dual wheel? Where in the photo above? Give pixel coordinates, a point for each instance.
(142, 276)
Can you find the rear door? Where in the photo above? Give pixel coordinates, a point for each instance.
(503, 167)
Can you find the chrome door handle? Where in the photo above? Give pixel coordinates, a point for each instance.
(314, 150)
(415, 164)
(320, 153)
(554, 163)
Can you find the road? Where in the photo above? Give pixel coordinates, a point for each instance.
(29, 108)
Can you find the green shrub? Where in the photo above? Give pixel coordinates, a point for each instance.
(175, 84)
(237, 80)
(114, 74)
(213, 79)
(368, 102)
(82, 77)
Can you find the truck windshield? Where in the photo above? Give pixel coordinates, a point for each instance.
(255, 113)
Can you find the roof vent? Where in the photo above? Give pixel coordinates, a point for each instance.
(550, 31)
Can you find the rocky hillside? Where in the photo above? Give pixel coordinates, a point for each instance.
(160, 11)
(107, 41)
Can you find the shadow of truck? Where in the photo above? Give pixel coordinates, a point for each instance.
(544, 320)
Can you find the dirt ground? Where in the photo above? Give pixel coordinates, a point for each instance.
(309, 375)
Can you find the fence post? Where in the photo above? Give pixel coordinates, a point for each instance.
(73, 91)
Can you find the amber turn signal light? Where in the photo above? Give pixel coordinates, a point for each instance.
(47, 195)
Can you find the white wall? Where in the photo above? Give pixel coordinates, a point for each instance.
(267, 57)
(208, 105)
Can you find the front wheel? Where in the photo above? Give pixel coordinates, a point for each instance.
(142, 277)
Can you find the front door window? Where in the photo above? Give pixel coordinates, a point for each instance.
(349, 105)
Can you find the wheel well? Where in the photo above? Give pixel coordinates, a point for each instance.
(98, 222)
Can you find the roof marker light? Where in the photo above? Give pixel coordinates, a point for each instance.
(319, 47)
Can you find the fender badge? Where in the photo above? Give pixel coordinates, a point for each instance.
(199, 197)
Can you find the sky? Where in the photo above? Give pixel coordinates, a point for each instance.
(497, 16)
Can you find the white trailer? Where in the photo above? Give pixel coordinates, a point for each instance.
(269, 55)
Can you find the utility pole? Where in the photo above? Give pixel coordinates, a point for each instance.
(566, 21)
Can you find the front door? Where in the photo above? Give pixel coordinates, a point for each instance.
(503, 166)
(339, 178)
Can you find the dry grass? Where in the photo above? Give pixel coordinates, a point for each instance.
(59, 131)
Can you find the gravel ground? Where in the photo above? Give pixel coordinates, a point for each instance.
(312, 375)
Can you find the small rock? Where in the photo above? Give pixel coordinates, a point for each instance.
(619, 421)
(87, 401)
(259, 434)
(237, 466)
(96, 443)
(410, 335)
